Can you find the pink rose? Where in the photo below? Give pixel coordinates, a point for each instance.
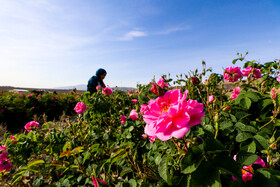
(232, 74)
(5, 164)
(162, 84)
(31, 125)
(154, 89)
(278, 78)
(171, 115)
(248, 70)
(80, 108)
(235, 93)
(107, 91)
(98, 87)
(211, 98)
(13, 139)
(247, 171)
(257, 73)
(143, 108)
(133, 115)
(134, 101)
(123, 119)
(3, 152)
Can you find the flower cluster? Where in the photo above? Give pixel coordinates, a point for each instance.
(5, 163)
(232, 74)
(31, 126)
(171, 115)
(161, 84)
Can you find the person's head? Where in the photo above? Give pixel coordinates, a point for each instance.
(101, 73)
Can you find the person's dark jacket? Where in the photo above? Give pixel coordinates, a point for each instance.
(95, 81)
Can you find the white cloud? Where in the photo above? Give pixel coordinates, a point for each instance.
(132, 34)
(173, 29)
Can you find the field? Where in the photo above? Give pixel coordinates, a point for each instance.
(203, 129)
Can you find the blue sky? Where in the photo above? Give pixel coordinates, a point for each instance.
(51, 43)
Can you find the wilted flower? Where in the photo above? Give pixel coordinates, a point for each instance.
(123, 119)
(133, 115)
(195, 80)
(171, 115)
(211, 98)
(107, 91)
(162, 84)
(80, 108)
(31, 126)
(154, 89)
(247, 171)
(232, 74)
(235, 93)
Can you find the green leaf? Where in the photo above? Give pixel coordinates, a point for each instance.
(132, 183)
(86, 157)
(164, 171)
(253, 96)
(125, 171)
(191, 160)
(248, 146)
(241, 115)
(213, 145)
(207, 174)
(246, 158)
(266, 103)
(228, 165)
(263, 177)
(226, 124)
(261, 142)
(243, 127)
(243, 136)
(16, 178)
(245, 103)
(35, 162)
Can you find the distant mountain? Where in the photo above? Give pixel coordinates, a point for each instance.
(83, 87)
(78, 87)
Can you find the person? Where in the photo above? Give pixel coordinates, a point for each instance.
(96, 80)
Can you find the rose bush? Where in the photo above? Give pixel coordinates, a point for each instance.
(179, 138)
